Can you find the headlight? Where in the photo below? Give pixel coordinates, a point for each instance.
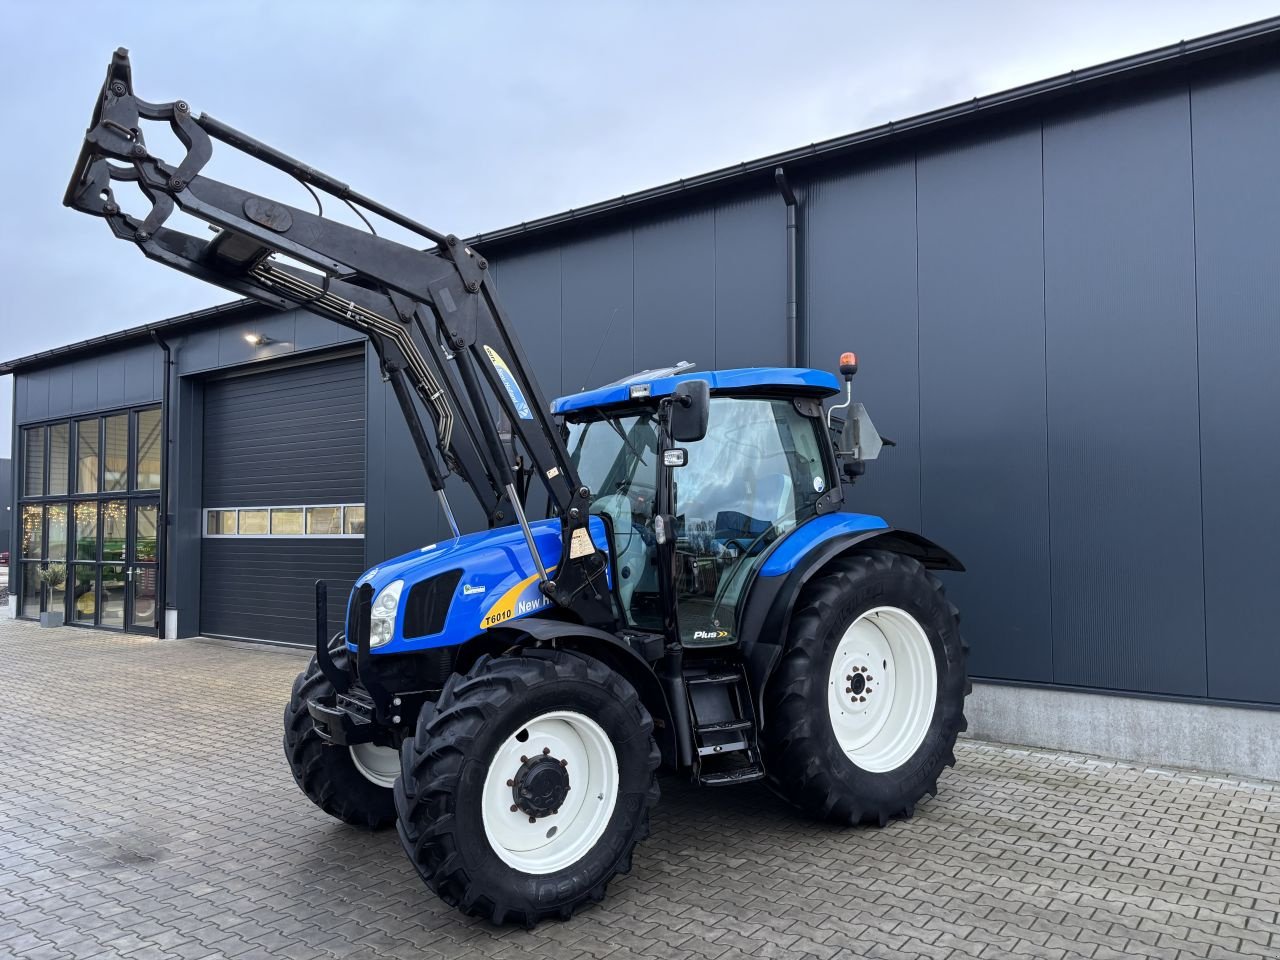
(382, 615)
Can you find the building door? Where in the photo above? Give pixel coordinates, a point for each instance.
(141, 572)
(283, 492)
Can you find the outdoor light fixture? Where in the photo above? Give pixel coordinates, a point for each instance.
(257, 339)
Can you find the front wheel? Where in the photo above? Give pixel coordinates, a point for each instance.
(350, 783)
(863, 712)
(527, 786)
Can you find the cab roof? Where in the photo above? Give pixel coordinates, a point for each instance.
(799, 381)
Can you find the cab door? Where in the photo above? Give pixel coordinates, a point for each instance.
(757, 474)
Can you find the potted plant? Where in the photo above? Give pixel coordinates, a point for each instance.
(52, 577)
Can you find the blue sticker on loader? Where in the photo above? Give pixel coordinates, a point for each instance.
(509, 381)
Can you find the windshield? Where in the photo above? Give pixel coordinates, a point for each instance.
(617, 459)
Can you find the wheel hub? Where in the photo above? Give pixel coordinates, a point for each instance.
(540, 785)
(859, 688)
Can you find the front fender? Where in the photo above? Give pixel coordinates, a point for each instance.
(608, 648)
(766, 617)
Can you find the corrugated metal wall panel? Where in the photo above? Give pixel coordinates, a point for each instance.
(1124, 479)
(675, 291)
(530, 290)
(1236, 136)
(982, 394)
(597, 324)
(750, 282)
(90, 384)
(860, 249)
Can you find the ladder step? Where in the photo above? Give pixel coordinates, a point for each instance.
(721, 778)
(723, 725)
(717, 677)
(720, 749)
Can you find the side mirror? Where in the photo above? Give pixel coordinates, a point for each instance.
(690, 410)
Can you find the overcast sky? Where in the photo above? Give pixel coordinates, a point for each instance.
(471, 116)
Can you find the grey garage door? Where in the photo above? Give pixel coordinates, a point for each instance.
(283, 493)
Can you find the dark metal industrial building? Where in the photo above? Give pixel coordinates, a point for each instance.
(1066, 303)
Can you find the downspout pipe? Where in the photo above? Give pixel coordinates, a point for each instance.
(793, 312)
(162, 541)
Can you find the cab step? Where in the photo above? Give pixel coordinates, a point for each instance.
(726, 744)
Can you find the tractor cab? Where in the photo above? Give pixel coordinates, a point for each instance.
(694, 511)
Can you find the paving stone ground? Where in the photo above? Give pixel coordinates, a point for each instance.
(146, 811)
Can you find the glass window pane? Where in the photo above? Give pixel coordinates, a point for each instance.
(757, 474)
(87, 456)
(324, 520)
(115, 453)
(353, 520)
(287, 522)
(59, 458)
(144, 596)
(146, 474)
(84, 592)
(113, 584)
(32, 533)
(33, 462)
(220, 523)
(58, 595)
(144, 532)
(56, 548)
(86, 531)
(253, 523)
(114, 513)
(29, 603)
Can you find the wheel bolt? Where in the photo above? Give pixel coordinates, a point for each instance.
(533, 819)
(554, 812)
(564, 763)
(524, 759)
(861, 699)
(514, 808)
(511, 783)
(546, 751)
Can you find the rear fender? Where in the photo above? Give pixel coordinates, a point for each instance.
(601, 645)
(766, 617)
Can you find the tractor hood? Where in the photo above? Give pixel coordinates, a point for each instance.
(495, 581)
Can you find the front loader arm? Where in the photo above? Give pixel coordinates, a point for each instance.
(432, 315)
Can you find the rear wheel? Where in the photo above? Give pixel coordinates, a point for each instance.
(350, 783)
(527, 786)
(863, 712)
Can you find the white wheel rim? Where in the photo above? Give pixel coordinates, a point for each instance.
(882, 688)
(558, 839)
(378, 765)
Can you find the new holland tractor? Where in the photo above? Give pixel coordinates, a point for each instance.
(697, 599)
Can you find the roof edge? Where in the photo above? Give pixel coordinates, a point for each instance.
(1150, 62)
(123, 337)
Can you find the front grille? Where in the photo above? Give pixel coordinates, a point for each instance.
(428, 603)
(358, 612)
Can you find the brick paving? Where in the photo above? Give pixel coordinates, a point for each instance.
(146, 811)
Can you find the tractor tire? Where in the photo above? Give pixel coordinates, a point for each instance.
(863, 711)
(488, 784)
(331, 776)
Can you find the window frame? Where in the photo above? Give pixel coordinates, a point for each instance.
(270, 508)
(72, 497)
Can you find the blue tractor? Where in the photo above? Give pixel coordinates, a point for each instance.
(697, 599)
